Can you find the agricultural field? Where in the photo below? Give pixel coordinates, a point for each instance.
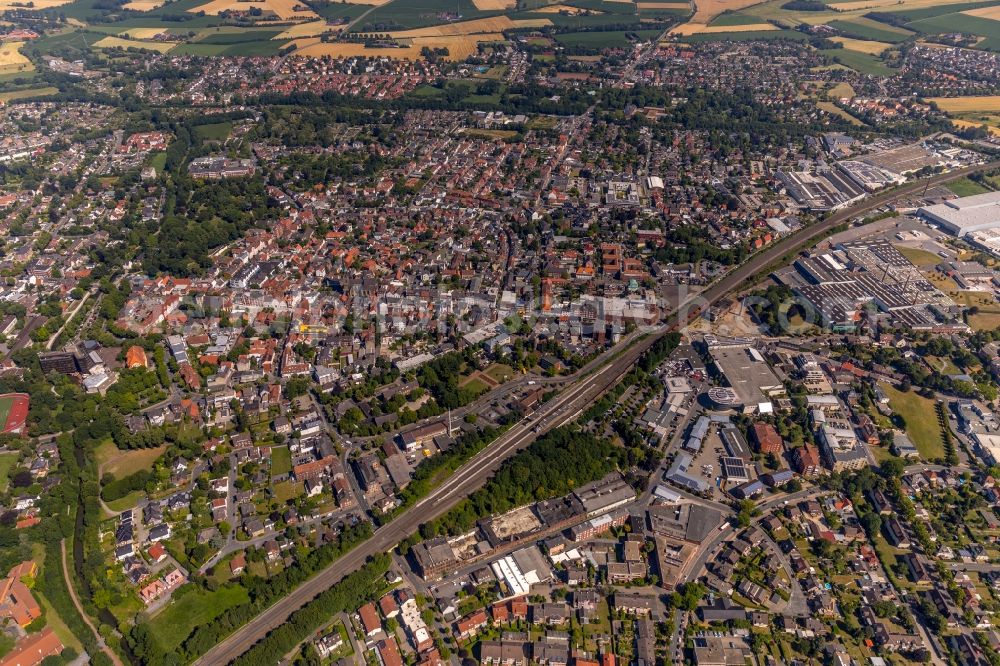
(118, 42)
(39, 4)
(459, 47)
(706, 10)
(734, 18)
(408, 14)
(865, 28)
(992, 122)
(670, 6)
(967, 104)
(494, 5)
(12, 60)
(861, 62)
(308, 29)
(474, 27)
(283, 9)
(747, 35)
(144, 5)
(863, 46)
(604, 40)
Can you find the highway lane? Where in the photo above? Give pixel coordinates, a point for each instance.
(558, 411)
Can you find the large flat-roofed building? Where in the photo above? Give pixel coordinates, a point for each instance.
(606, 494)
(965, 214)
(749, 375)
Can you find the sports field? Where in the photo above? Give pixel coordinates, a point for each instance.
(14, 411)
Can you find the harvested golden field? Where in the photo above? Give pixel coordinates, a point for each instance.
(493, 24)
(307, 29)
(286, 10)
(556, 9)
(113, 42)
(992, 13)
(842, 90)
(962, 124)
(862, 45)
(706, 10)
(141, 33)
(663, 5)
(12, 60)
(37, 4)
(967, 104)
(494, 5)
(459, 47)
(144, 5)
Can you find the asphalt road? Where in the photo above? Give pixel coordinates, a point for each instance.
(562, 409)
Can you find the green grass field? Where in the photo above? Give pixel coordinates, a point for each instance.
(281, 460)
(964, 187)
(403, 14)
(25, 93)
(921, 421)
(213, 131)
(7, 461)
(605, 40)
(751, 35)
(5, 405)
(734, 18)
(119, 463)
(958, 22)
(287, 490)
(861, 62)
(863, 28)
(919, 257)
(499, 372)
(195, 607)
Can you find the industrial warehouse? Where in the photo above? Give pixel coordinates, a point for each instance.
(868, 280)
